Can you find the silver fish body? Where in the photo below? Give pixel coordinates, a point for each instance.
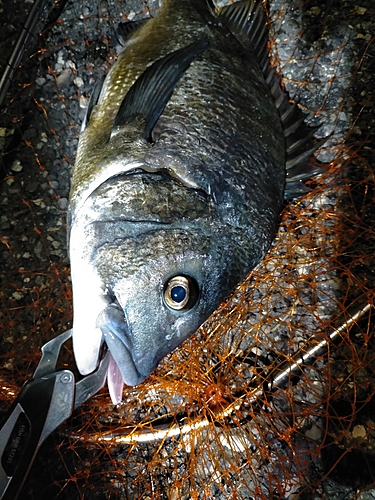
(164, 223)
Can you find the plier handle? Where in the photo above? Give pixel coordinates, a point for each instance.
(45, 401)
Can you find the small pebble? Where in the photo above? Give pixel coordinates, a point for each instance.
(78, 81)
(83, 102)
(360, 10)
(64, 77)
(39, 203)
(38, 248)
(359, 431)
(16, 166)
(314, 433)
(63, 202)
(40, 81)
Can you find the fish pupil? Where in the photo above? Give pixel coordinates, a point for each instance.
(178, 293)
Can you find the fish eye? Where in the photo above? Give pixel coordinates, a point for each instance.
(181, 293)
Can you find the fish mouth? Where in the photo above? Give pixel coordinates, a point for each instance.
(122, 368)
(124, 360)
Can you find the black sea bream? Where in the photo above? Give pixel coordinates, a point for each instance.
(179, 182)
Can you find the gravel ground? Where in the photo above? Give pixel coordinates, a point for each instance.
(325, 52)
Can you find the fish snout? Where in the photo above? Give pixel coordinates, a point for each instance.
(136, 355)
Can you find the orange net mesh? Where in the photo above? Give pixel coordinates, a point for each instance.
(204, 425)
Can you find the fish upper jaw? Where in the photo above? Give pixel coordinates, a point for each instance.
(86, 347)
(88, 298)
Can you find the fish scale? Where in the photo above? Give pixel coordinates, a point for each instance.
(179, 182)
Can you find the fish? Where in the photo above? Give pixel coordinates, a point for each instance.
(186, 156)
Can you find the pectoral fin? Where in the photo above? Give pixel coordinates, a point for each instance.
(148, 96)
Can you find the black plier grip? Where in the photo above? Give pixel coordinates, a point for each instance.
(43, 404)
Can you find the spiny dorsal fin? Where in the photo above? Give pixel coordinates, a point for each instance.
(299, 137)
(150, 93)
(247, 21)
(92, 102)
(120, 35)
(125, 30)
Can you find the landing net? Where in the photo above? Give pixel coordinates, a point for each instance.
(205, 424)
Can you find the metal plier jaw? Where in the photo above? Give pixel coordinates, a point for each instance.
(44, 402)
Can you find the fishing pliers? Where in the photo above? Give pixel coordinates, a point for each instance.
(45, 401)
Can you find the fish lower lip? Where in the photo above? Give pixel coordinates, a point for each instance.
(122, 355)
(113, 325)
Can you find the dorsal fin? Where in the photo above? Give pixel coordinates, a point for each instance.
(248, 22)
(126, 29)
(92, 101)
(150, 93)
(120, 34)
